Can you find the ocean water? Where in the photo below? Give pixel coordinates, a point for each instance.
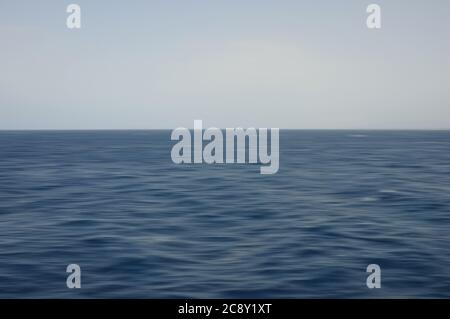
(141, 226)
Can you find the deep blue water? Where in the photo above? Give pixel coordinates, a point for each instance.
(140, 226)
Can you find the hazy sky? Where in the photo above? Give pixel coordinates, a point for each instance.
(162, 64)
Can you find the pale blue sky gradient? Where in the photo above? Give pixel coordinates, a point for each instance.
(286, 64)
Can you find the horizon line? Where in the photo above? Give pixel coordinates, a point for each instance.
(170, 129)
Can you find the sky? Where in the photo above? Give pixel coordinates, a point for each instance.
(279, 63)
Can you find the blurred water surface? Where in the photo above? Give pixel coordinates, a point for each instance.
(140, 226)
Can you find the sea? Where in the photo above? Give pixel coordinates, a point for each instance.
(140, 226)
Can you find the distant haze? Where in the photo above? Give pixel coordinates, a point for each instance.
(163, 64)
